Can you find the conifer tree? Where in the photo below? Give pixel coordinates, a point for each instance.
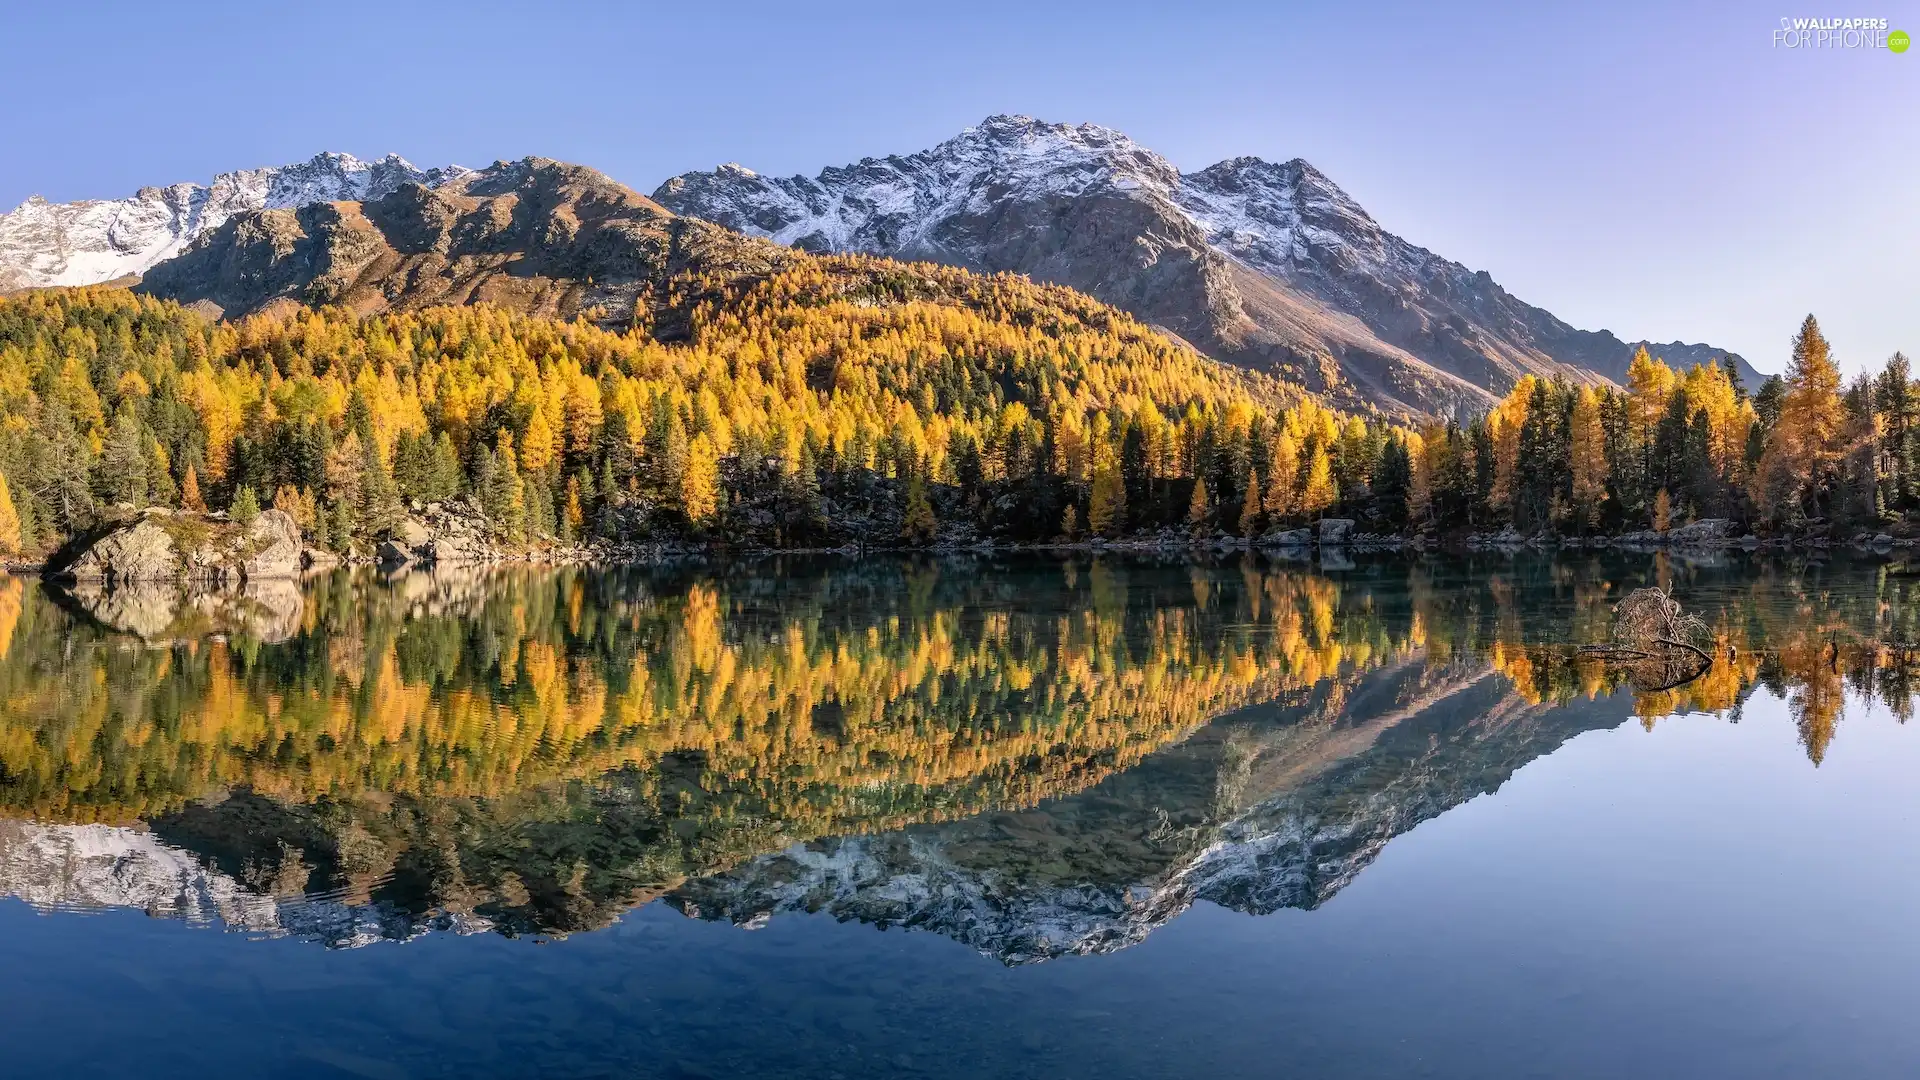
(123, 463)
(190, 497)
(1107, 511)
(380, 508)
(1318, 493)
(1587, 453)
(917, 524)
(443, 472)
(1200, 506)
(1283, 479)
(1393, 484)
(245, 508)
(573, 517)
(1797, 470)
(10, 532)
(1250, 506)
(699, 479)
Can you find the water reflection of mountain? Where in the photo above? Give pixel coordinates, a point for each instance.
(1266, 809)
(1038, 758)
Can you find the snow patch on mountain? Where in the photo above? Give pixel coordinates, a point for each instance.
(92, 241)
(896, 204)
(1269, 264)
(1266, 215)
(93, 868)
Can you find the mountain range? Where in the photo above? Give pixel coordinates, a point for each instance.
(533, 235)
(100, 240)
(1266, 266)
(1269, 266)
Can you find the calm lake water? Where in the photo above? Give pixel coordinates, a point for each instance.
(1019, 817)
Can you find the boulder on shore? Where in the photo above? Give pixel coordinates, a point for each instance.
(157, 544)
(1704, 531)
(451, 533)
(1288, 538)
(1335, 531)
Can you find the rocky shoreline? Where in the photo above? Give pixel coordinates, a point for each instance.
(157, 545)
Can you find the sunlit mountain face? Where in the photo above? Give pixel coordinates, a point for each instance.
(1036, 757)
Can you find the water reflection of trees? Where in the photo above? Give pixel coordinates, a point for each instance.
(846, 700)
(905, 690)
(548, 747)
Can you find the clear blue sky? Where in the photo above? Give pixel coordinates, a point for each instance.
(1659, 170)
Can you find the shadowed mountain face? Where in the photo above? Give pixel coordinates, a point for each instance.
(1036, 758)
(1267, 265)
(534, 236)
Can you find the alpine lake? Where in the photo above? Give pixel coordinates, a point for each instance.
(988, 816)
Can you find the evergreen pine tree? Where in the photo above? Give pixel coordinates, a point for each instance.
(1393, 483)
(245, 508)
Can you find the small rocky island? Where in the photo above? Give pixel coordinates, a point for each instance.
(157, 544)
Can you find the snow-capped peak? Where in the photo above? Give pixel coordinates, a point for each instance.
(898, 205)
(84, 243)
(1262, 213)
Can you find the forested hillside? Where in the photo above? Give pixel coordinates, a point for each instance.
(844, 399)
(856, 400)
(1803, 453)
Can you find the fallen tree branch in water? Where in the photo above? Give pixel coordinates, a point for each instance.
(1650, 639)
(1694, 649)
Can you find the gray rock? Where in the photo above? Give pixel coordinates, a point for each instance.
(167, 545)
(1289, 538)
(1706, 530)
(142, 550)
(272, 547)
(1334, 531)
(412, 533)
(392, 553)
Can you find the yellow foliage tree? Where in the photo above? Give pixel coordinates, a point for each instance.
(190, 496)
(700, 481)
(1803, 447)
(1282, 478)
(1587, 451)
(9, 521)
(1199, 506)
(1250, 505)
(1504, 424)
(1318, 494)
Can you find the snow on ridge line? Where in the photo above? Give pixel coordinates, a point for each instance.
(1270, 216)
(91, 241)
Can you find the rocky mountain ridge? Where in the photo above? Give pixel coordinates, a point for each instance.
(92, 241)
(534, 235)
(1268, 265)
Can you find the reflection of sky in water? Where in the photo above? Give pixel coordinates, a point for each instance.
(1694, 900)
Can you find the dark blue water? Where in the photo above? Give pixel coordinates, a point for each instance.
(1693, 896)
